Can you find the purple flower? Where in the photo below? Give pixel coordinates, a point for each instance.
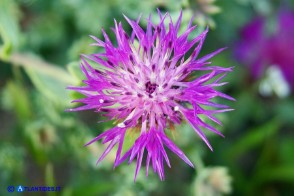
(259, 48)
(145, 82)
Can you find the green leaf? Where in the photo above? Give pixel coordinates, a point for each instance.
(9, 30)
(130, 137)
(254, 137)
(53, 88)
(281, 173)
(286, 149)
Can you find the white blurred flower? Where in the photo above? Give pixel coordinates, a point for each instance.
(274, 83)
(213, 181)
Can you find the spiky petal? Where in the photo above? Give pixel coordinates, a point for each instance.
(146, 84)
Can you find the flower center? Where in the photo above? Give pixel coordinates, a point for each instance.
(150, 88)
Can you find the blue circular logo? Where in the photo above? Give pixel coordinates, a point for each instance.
(10, 189)
(20, 188)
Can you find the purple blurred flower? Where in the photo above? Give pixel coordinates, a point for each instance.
(261, 49)
(145, 83)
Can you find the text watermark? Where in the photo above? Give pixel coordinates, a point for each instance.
(21, 188)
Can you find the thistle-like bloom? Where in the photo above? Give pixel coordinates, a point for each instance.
(262, 48)
(145, 82)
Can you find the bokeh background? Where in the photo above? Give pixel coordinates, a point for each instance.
(40, 144)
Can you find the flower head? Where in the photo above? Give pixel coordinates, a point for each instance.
(145, 83)
(263, 47)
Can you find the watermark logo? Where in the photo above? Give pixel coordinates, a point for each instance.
(10, 189)
(20, 188)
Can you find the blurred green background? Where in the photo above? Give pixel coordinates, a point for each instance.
(40, 144)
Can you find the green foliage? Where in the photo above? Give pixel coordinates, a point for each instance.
(15, 97)
(50, 87)
(41, 144)
(9, 29)
(11, 162)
